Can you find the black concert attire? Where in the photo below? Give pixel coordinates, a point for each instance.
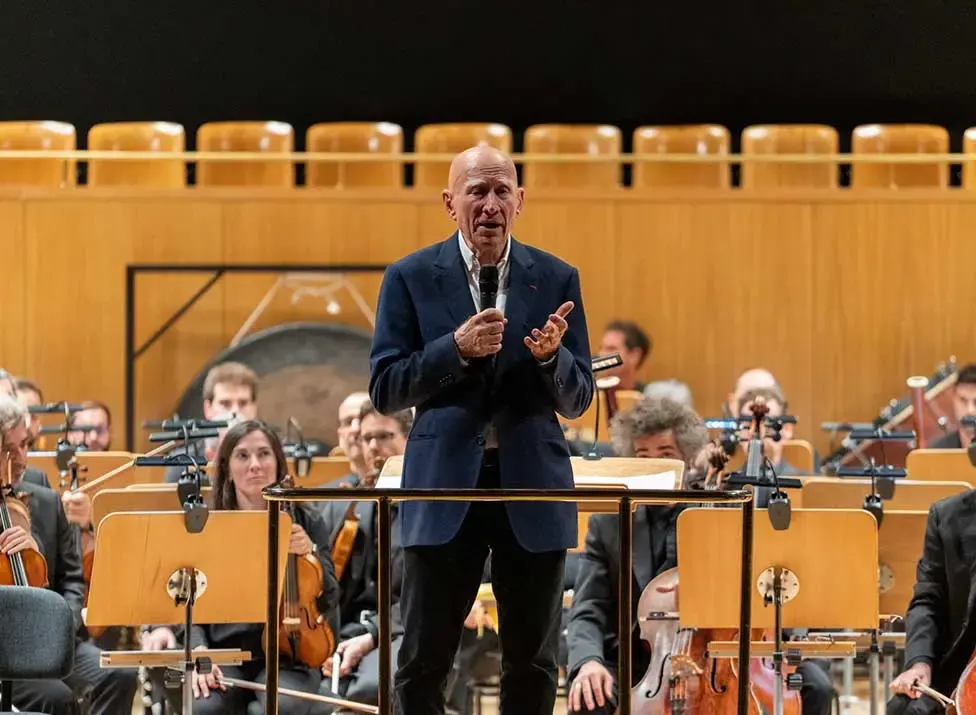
(249, 637)
(940, 627)
(108, 691)
(359, 598)
(952, 440)
(593, 615)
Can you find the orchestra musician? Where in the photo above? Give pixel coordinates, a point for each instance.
(756, 378)
(773, 449)
(486, 381)
(939, 634)
(653, 428)
(380, 437)
(634, 346)
(8, 386)
(29, 395)
(250, 459)
(229, 389)
(97, 416)
(349, 443)
(108, 691)
(963, 405)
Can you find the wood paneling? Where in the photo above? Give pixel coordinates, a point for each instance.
(841, 294)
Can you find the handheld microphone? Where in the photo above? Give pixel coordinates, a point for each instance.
(488, 286)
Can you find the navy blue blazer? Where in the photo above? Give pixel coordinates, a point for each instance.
(414, 363)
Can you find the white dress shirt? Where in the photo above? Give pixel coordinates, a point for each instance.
(473, 269)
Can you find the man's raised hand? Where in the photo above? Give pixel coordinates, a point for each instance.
(544, 343)
(481, 334)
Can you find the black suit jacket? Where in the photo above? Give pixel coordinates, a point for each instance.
(593, 616)
(357, 600)
(940, 626)
(59, 545)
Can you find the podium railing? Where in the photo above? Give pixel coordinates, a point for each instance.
(626, 499)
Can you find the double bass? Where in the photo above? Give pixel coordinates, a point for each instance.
(682, 679)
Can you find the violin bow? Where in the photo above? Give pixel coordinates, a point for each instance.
(934, 694)
(258, 687)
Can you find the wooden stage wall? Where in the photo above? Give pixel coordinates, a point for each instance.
(841, 294)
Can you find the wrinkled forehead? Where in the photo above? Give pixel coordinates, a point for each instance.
(491, 171)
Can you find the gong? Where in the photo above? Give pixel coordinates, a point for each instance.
(306, 370)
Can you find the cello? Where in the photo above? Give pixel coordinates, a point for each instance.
(304, 636)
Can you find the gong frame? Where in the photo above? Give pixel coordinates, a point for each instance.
(216, 271)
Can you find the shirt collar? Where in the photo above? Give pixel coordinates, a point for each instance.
(471, 261)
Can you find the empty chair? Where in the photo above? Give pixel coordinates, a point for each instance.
(163, 137)
(702, 139)
(899, 139)
(360, 138)
(789, 139)
(263, 137)
(36, 636)
(593, 139)
(452, 139)
(37, 136)
(969, 165)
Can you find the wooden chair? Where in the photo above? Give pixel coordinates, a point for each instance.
(701, 139)
(950, 465)
(969, 167)
(37, 136)
(789, 139)
(899, 139)
(572, 139)
(358, 137)
(264, 137)
(137, 136)
(453, 139)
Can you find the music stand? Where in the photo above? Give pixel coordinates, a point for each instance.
(177, 577)
(845, 493)
(797, 573)
(112, 501)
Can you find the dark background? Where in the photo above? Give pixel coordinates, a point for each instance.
(839, 62)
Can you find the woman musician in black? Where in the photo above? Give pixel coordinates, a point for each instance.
(251, 458)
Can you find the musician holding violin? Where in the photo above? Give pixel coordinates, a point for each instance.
(353, 534)
(47, 534)
(251, 458)
(940, 624)
(662, 429)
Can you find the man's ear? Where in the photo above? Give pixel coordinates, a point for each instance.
(207, 407)
(448, 198)
(521, 201)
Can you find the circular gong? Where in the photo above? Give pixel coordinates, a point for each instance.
(306, 370)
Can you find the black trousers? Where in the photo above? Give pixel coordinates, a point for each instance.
(109, 691)
(440, 584)
(816, 694)
(904, 705)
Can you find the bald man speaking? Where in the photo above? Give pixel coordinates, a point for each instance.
(486, 337)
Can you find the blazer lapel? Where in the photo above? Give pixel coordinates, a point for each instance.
(522, 295)
(452, 281)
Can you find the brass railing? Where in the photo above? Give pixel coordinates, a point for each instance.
(626, 499)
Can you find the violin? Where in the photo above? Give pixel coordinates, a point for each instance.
(304, 636)
(28, 567)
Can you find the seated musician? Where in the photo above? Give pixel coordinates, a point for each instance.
(753, 379)
(109, 691)
(634, 346)
(8, 386)
(776, 401)
(963, 405)
(251, 458)
(674, 390)
(939, 634)
(652, 429)
(29, 395)
(98, 418)
(230, 388)
(381, 437)
(347, 434)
